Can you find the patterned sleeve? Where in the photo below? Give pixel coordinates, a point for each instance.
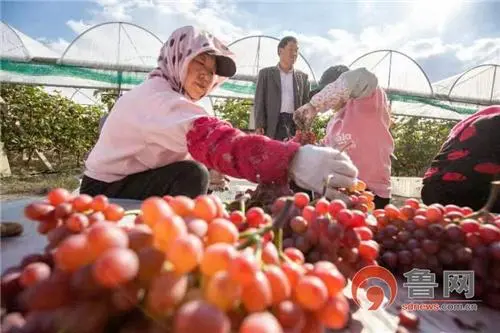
(256, 158)
(352, 84)
(333, 96)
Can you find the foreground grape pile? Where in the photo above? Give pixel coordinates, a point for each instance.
(441, 238)
(182, 266)
(190, 265)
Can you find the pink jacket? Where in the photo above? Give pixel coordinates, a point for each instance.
(152, 126)
(362, 123)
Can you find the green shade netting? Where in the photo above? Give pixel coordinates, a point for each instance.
(232, 87)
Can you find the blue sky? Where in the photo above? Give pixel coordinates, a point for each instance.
(46, 19)
(444, 36)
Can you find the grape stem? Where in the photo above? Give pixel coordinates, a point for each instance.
(278, 240)
(279, 223)
(258, 251)
(325, 185)
(277, 226)
(284, 257)
(253, 239)
(492, 199)
(259, 232)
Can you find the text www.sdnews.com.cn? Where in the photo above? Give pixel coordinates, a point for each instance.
(439, 307)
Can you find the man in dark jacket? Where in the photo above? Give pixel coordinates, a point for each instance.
(280, 91)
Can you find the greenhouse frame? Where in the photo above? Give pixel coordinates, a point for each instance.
(118, 55)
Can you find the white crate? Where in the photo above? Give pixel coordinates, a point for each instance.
(406, 186)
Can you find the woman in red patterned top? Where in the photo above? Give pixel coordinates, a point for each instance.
(468, 162)
(158, 141)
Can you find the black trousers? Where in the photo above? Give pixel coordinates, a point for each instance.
(187, 178)
(380, 202)
(296, 189)
(286, 127)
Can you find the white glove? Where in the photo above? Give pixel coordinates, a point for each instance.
(312, 165)
(333, 194)
(304, 116)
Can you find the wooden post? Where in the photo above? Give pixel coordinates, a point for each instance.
(251, 121)
(4, 161)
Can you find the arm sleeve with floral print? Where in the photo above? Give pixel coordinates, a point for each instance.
(352, 84)
(256, 158)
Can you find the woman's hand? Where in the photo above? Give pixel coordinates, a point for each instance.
(218, 182)
(304, 116)
(312, 166)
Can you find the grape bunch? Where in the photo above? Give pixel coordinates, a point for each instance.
(438, 238)
(182, 266)
(264, 195)
(359, 198)
(333, 231)
(329, 231)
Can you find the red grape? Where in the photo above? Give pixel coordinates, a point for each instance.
(301, 199)
(345, 216)
(295, 255)
(34, 273)
(489, 233)
(199, 316)
(322, 206)
(38, 211)
(255, 216)
(298, 224)
(115, 267)
(260, 322)
(290, 315)
(335, 207)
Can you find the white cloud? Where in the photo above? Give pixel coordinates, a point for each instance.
(227, 21)
(425, 48)
(78, 26)
(483, 49)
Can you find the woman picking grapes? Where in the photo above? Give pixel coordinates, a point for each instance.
(361, 124)
(158, 141)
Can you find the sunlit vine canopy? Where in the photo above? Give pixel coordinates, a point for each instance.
(119, 55)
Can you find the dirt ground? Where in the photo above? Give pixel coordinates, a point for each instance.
(16, 187)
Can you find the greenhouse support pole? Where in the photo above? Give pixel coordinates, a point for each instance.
(493, 84)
